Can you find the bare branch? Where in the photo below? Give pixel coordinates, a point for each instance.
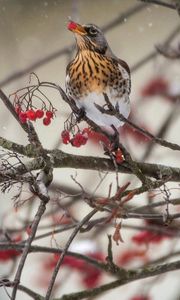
(66, 160)
(161, 3)
(26, 290)
(129, 276)
(59, 262)
(42, 193)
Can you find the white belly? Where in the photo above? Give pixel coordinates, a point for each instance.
(104, 120)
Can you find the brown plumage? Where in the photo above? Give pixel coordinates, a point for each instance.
(94, 71)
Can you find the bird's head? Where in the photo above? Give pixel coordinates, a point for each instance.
(89, 37)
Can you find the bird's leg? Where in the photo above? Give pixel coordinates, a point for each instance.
(114, 139)
(113, 149)
(113, 142)
(109, 152)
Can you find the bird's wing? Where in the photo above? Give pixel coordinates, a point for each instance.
(124, 65)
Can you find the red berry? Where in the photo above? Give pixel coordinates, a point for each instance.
(31, 115)
(97, 137)
(17, 109)
(23, 117)
(79, 140)
(84, 138)
(75, 142)
(65, 136)
(86, 131)
(46, 121)
(39, 113)
(119, 156)
(49, 114)
(72, 25)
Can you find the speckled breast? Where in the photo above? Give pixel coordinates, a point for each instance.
(92, 72)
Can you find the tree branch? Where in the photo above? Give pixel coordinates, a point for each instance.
(66, 160)
(41, 191)
(128, 277)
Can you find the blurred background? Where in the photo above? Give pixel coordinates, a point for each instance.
(34, 37)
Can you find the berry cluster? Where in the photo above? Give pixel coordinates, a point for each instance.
(79, 139)
(33, 115)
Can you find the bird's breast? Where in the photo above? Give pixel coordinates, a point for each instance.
(91, 72)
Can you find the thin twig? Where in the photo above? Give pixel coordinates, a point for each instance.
(130, 276)
(159, 2)
(41, 209)
(7, 283)
(63, 253)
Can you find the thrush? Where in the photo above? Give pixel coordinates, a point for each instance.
(96, 71)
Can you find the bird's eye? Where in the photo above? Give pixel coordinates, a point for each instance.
(93, 31)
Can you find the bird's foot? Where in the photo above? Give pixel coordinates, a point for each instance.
(113, 150)
(114, 153)
(114, 139)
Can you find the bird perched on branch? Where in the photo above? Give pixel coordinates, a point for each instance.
(96, 71)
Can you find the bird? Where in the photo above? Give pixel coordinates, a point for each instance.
(95, 71)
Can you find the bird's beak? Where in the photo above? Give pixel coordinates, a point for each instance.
(76, 28)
